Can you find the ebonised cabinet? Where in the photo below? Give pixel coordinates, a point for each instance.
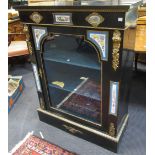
(81, 70)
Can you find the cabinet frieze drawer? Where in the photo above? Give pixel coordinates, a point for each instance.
(75, 19)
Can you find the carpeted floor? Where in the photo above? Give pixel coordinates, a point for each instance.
(23, 118)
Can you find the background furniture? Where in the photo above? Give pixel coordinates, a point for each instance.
(12, 3)
(135, 38)
(83, 86)
(17, 45)
(17, 48)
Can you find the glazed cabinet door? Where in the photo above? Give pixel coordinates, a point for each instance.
(73, 73)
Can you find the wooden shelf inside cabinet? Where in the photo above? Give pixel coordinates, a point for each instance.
(69, 60)
(79, 54)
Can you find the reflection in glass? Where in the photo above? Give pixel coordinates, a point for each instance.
(73, 74)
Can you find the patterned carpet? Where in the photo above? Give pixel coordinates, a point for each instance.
(33, 145)
(23, 118)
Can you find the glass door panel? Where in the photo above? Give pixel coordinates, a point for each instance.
(73, 74)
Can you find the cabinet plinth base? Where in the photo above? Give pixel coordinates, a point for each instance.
(92, 135)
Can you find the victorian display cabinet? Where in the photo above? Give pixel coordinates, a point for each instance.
(81, 69)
